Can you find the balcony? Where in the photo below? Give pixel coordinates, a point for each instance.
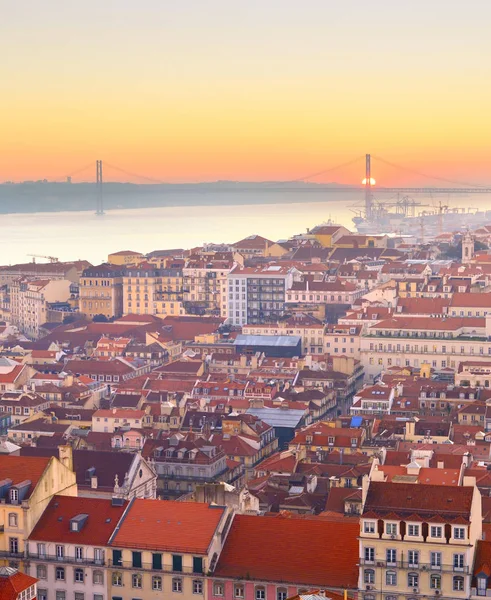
(65, 559)
(8, 554)
(128, 564)
(404, 564)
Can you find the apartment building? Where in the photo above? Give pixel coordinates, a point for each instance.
(27, 486)
(441, 342)
(343, 340)
(418, 540)
(205, 284)
(257, 294)
(101, 291)
(309, 292)
(29, 302)
(67, 549)
(165, 549)
(34, 271)
(148, 290)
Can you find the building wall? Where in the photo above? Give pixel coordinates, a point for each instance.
(101, 295)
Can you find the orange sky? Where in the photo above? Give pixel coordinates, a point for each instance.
(219, 90)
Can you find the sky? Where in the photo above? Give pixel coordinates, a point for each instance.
(203, 90)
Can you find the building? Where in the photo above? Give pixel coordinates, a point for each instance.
(418, 540)
(29, 302)
(148, 290)
(257, 294)
(162, 548)
(15, 585)
(101, 291)
(111, 420)
(308, 292)
(125, 258)
(27, 485)
(39, 271)
(68, 547)
(205, 285)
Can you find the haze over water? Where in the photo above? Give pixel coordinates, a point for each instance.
(83, 235)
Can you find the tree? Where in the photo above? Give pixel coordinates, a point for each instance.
(100, 319)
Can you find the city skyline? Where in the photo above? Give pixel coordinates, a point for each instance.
(188, 92)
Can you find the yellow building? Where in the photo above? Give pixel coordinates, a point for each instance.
(151, 291)
(27, 484)
(101, 291)
(125, 258)
(418, 540)
(162, 548)
(327, 235)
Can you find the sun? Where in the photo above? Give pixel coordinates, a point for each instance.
(372, 181)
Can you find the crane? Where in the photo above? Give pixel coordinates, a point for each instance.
(52, 259)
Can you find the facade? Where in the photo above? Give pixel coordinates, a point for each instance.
(101, 291)
(27, 486)
(418, 540)
(111, 420)
(148, 290)
(308, 292)
(29, 302)
(125, 258)
(204, 284)
(257, 295)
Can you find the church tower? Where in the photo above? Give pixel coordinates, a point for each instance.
(467, 247)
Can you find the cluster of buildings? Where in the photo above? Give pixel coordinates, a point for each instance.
(254, 421)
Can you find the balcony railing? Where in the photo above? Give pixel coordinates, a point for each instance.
(404, 564)
(128, 564)
(8, 554)
(65, 559)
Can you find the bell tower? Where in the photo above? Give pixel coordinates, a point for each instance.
(467, 247)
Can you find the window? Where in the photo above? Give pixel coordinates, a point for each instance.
(60, 551)
(391, 556)
(281, 594)
(60, 595)
(260, 593)
(79, 553)
(369, 554)
(12, 520)
(136, 581)
(435, 582)
(390, 578)
(42, 594)
(413, 557)
(458, 584)
(137, 560)
(60, 574)
(197, 586)
(413, 530)
(14, 496)
(98, 577)
(117, 579)
(369, 527)
(435, 531)
(412, 580)
(238, 591)
(157, 562)
(41, 550)
(436, 560)
(41, 572)
(391, 528)
(157, 583)
(177, 585)
(459, 533)
(79, 575)
(176, 562)
(14, 545)
(197, 564)
(98, 597)
(218, 588)
(79, 596)
(117, 558)
(458, 562)
(482, 583)
(369, 576)
(98, 556)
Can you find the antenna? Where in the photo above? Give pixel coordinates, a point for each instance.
(368, 188)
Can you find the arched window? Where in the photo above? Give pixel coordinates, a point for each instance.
(12, 520)
(117, 579)
(369, 576)
(412, 580)
(435, 582)
(390, 578)
(136, 580)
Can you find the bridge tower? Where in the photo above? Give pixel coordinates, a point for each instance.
(368, 188)
(100, 204)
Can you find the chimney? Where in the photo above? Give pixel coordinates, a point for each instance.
(65, 455)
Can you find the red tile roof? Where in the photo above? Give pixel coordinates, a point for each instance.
(22, 468)
(54, 524)
(186, 527)
(12, 586)
(305, 551)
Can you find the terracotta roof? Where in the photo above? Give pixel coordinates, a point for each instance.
(318, 552)
(482, 561)
(22, 468)
(426, 500)
(54, 524)
(12, 585)
(168, 526)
